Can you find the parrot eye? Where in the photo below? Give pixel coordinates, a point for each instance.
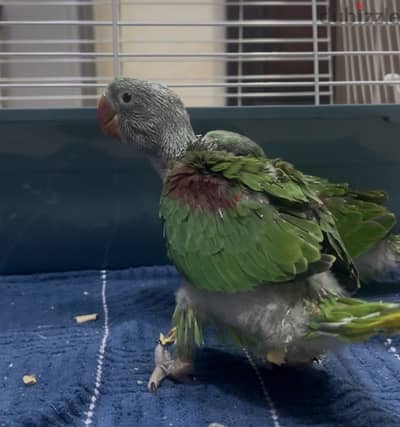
(126, 97)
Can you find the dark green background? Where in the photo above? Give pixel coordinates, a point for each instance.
(72, 198)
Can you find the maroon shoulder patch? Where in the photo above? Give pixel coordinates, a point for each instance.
(201, 191)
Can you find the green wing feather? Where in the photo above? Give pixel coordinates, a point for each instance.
(361, 217)
(246, 223)
(361, 224)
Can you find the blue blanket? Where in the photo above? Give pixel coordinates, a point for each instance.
(96, 373)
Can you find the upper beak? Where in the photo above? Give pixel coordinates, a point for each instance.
(107, 117)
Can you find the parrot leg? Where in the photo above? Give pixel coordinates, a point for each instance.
(166, 366)
(186, 335)
(276, 357)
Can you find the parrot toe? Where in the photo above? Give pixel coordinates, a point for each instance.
(168, 367)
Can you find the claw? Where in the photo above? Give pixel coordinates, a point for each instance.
(166, 366)
(158, 375)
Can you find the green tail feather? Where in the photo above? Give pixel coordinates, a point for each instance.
(353, 319)
(394, 242)
(189, 332)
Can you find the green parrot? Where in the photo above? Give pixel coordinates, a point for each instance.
(257, 242)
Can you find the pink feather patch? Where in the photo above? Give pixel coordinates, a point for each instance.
(202, 191)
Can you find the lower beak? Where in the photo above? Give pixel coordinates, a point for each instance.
(108, 118)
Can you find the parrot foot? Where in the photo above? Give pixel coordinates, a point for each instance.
(168, 367)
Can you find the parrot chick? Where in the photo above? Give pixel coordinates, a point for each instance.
(259, 250)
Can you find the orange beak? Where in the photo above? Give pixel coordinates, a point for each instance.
(108, 118)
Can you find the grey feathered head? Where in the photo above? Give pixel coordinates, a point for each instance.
(148, 115)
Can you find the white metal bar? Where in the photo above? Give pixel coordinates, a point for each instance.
(155, 3)
(268, 3)
(329, 47)
(315, 50)
(265, 40)
(368, 62)
(380, 62)
(210, 84)
(359, 23)
(248, 23)
(53, 3)
(202, 95)
(351, 62)
(47, 79)
(360, 63)
(115, 38)
(396, 30)
(48, 97)
(240, 51)
(149, 59)
(255, 23)
(273, 54)
(53, 41)
(390, 44)
(58, 22)
(248, 3)
(376, 99)
(276, 76)
(163, 41)
(285, 55)
(106, 80)
(382, 65)
(347, 70)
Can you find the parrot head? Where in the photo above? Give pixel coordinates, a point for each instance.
(149, 116)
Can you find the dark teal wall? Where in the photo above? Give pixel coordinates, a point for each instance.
(72, 198)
